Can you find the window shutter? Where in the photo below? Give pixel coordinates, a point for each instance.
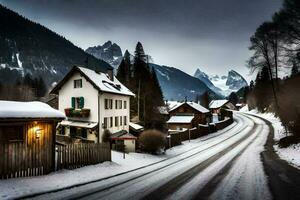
(81, 102)
(73, 102)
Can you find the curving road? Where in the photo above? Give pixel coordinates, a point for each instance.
(225, 165)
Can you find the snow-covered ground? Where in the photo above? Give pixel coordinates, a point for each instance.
(292, 153)
(12, 188)
(18, 187)
(210, 153)
(246, 178)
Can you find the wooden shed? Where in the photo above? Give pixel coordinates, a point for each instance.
(187, 115)
(27, 138)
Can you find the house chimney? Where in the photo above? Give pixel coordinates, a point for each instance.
(110, 74)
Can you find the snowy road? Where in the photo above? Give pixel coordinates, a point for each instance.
(224, 166)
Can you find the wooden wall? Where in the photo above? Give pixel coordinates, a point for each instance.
(31, 157)
(200, 118)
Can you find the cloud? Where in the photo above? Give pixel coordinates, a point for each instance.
(213, 34)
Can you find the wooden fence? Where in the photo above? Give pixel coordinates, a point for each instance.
(20, 160)
(73, 156)
(175, 138)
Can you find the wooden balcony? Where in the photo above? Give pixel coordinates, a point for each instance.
(81, 113)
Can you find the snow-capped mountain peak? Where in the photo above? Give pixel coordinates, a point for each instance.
(223, 84)
(199, 73)
(109, 52)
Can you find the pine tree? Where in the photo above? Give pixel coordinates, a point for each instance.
(122, 73)
(233, 98)
(205, 99)
(124, 70)
(41, 87)
(158, 95)
(295, 69)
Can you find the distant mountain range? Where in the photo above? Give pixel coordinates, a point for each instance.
(224, 84)
(177, 85)
(111, 53)
(29, 48)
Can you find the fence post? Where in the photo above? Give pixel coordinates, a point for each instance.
(169, 140)
(189, 135)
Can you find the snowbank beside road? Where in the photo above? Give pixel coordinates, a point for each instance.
(292, 153)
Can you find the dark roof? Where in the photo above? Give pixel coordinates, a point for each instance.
(118, 134)
(122, 135)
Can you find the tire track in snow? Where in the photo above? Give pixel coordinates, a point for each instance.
(244, 176)
(183, 186)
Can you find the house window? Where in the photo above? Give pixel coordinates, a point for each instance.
(105, 123)
(111, 122)
(116, 121)
(120, 104)
(125, 120)
(121, 121)
(106, 104)
(116, 104)
(125, 104)
(78, 83)
(77, 102)
(110, 104)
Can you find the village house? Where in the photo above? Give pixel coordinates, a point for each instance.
(187, 115)
(27, 138)
(215, 106)
(93, 102)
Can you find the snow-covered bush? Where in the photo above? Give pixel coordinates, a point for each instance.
(152, 141)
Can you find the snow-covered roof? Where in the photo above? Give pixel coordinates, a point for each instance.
(105, 84)
(34, 109)
(180, 119)
(194, 105)
(217, 103)
(135, 126)
(172, 104)
(100, 80)
(163, 110)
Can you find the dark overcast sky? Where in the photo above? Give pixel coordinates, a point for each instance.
(210, 34)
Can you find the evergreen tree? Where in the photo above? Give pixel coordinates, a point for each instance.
(295, 69)
(124, 70)
(233, 98)
(158, 95)
(251, 86)
(41, 87)
(28, 80)
(121, 73)
(205, 99)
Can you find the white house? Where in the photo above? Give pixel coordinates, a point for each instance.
(92, 101)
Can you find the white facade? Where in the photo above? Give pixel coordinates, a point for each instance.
(112, 114)
(117, 118)
(88, 91)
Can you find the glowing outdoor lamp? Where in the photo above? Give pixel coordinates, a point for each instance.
(38, 133)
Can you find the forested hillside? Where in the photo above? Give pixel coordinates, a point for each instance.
(30, 48)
